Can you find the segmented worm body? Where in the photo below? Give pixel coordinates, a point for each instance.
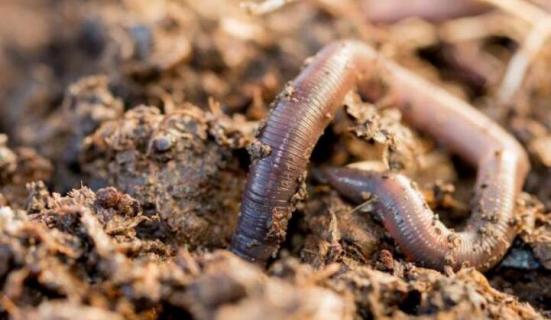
(308, 105)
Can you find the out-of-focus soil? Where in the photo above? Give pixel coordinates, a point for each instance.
(125, 136)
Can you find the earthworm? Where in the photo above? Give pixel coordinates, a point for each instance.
(305, 109)
(389, 11)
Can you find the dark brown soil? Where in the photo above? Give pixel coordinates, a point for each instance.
(127, 129)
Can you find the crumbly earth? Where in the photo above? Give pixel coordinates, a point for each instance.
(127, 129)
(178, 165)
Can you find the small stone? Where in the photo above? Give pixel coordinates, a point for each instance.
(163, 143)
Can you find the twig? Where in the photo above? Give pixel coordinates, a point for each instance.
(522, 9)
(263, 7)
(519, 63)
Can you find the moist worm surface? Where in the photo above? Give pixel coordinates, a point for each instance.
(307, 106)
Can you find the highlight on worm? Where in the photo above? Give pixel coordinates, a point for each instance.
(307, 106)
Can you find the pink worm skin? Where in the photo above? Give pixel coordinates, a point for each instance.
(298, 120)
(389, 11)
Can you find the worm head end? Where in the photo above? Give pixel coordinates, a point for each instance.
(348, 182)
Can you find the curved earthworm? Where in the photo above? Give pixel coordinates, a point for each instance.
(306, 108)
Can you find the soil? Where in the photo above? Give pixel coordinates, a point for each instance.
(127, 129)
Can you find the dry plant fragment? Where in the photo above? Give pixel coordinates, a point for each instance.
(536, 39)
(522, 59)
(263, 7)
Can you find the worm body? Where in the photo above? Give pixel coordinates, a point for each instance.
(389, 11)
(295, 124)
(302, 113)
